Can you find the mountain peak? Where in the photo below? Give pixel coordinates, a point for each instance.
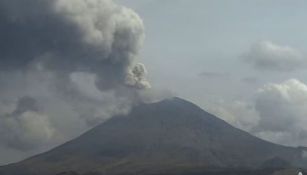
(172, 134)
(174, 101)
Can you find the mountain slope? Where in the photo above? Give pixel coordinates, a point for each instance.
(168, 136)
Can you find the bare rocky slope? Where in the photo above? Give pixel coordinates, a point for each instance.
(173, 136)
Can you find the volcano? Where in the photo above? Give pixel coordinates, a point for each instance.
(173, 136)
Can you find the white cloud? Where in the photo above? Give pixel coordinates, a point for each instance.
(278, 113)
(266, 55)
(283, 111)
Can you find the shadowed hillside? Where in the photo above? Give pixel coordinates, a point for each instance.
(169, 137)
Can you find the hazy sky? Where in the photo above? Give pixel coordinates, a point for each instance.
(243, 60)
(187, 38)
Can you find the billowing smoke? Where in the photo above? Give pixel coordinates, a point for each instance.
(137, 77)
(96, 36)
(25, 127)
(77, 59)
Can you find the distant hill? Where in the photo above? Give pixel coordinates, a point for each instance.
(173, 136)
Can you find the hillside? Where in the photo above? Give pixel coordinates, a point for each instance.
(172, 136)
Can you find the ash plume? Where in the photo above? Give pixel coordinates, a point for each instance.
(77, 59)
(96, 36)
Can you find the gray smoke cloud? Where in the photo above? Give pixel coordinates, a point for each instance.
(250, 80)
(96, 36)
(25, 127)
(214, 75)
(66, 66)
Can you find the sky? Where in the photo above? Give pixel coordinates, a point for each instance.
(244, 61)
(67, 65)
